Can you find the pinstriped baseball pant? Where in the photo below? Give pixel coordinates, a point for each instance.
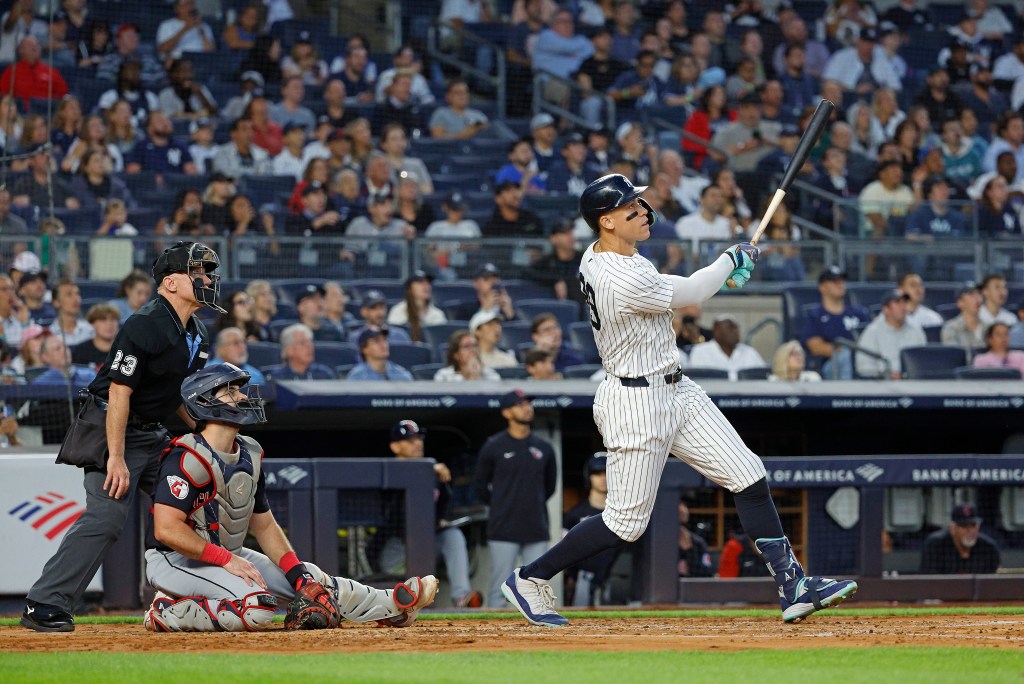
(641, 426)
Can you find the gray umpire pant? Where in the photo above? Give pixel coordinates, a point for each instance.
(66, 575)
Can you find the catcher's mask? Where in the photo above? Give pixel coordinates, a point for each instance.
(199, 394)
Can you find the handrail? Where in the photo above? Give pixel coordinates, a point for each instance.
(853, 346)
(540, 76)
(498, 80)
(764, 322)
(687, 135)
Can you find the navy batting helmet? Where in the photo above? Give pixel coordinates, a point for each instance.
(199, 390)
(190, 258)
(611, 192)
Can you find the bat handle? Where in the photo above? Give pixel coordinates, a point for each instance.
(780, 194)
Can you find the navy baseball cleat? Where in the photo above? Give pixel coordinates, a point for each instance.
(800, 595)
(534, 598)
(45, 618)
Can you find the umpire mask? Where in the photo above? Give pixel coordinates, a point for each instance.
(192, 258)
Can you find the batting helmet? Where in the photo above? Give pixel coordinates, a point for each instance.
(188, 258)
(611, 192)
(199, 390)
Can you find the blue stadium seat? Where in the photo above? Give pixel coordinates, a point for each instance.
(287, 288)
(581, 336)
(265, 189)
(263, 354)
(409, 355)
(525, 289)
(79, 221)
(276, 326)
(867, 294)
(515, 333)
(582, 371)
(933, 334)
(435, 336)
(453, 291)
(932, 362)
(794, 299)
(758, 373)
(566, 311)
(335, 353)
(701, 373)
(425, 371)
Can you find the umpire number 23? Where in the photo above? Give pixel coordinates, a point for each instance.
(588, 294)
(125, 364)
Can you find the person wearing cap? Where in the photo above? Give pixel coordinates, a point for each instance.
(252, 83)
(543, 133)
(407, 444)
(966, 329)
(599, 154)
(633, 149)
(380, 223)
(291, 160)
(862, 67)
(309, 304)
(417, 309)
(559, 268)
(32, 293)
(456, 121)
(725, 351)
(241, 156)
(962, 548)
(510, 219)
(598, 73)
(185, 98)
(185, 32)
(28, 357)
(30, 77)
(774, 164)
(486, 327)
(888, 334)
(983, 97)
(906, 15)
(290, 108)
(570, 174)
(373, 308)
(521, 168)
(832, 319)
(304, 61)
(16, 23)
(584, 582)
(375, 352)
(882, 201)
(127, 49)
(516, 474)
(941, 102)
(845, 20)
(159, 152)
(131, 88)
(453, 225)
(35, 188)
(490, 296)
(298, 357)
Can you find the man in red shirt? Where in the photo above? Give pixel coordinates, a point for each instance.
(31, 77)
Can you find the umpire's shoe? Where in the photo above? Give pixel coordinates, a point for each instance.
(46, 618)
(534, 598)
(800, 595)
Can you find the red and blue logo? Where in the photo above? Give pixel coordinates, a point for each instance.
(50, 513)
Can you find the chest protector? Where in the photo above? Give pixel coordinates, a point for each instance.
(222, 518)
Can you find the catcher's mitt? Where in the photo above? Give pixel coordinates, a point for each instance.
(312, 608)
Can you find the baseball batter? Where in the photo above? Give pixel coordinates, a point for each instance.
(646, 409)
(210, 492)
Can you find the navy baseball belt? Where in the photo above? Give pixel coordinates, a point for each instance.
(670, 379)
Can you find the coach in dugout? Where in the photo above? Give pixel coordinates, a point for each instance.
(117, 435)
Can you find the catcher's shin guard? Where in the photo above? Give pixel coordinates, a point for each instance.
(196, 614)
(391, 607)
(799, 594)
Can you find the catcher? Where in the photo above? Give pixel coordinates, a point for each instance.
(209, 494)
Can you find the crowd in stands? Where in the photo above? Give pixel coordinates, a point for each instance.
(266, 127)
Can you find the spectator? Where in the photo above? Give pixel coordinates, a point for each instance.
(202, 147)
(345, 196)
(559, 51)
(685, 189)
(571, 174)
(10, 224)
(933, 219)
(381, 223)
(773, 107)
(374, 310)
(997, 218)
(11, 127)
(774, 164)
(252, 85)
(374, 351)
(993, 296)
(417, 309)
(457, 120)
(713, 28)
(335, 312)
(912, 285)
(540, 365)
(1010, 66)
(546, 333)
(290, 108)
(510, 219)
(377, 176)
(115, 220)
(407, 440)
(159, 152)
(18, 23)
(1009, 137)
(54, 354)
(462, 360)
(355, 75)
(14, 315)
(338, 158)
(883, 200)
(338, 116)
(91, 135)
(845, 20)
(266, 133)
(186, 32)
(598, 73)
(707, 223)
(241, 33)
(515, 487)
(491, 296)
(241, 157)
(264, 306)
(906, 15)
(134, 290)
(694, 557)
(521, 168)
(186, 216)
(28, 354)
(942, 103)
(290, 161)
(121, 129)
(309, 304)
(91, 353)
(543, 132)
(748, 138)
(789, 364)
(962, 548)
(725, 351)
(66, 121)
(297, 354)
(598, 153)
(129, 87)
(966, 330)
(231, 347)
(999, 354)
(634, 149)
(781, 262)
(962, 159)
(743, 82)
(638, 87)
(406, 60)
(127, 50)
(94, 186)
(243, 219)
(263, 59)
(987, 102)
(68, 322)
(815, 56)
(394, 143)
(30, 78)
(832, 319)
(185, 98)
(361, 135)
(888, 334)
(486, 327)
(861, 68)
(304, 62)
(682, 88)
(240, 315)
(453, 225)
(559, 269)
(42, 185)
(739, 557)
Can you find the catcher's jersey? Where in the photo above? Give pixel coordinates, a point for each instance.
(630, 312)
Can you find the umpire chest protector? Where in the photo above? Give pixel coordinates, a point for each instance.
(225, 485)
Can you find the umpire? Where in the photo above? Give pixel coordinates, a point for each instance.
(117, 436)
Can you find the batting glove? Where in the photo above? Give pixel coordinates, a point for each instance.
(744, 255)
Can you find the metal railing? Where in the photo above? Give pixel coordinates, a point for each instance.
(575, 92)
(496, 80)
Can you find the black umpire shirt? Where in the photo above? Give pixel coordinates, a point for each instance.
(153, 354)
(516, 477)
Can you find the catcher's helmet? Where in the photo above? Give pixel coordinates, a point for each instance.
(189, 258)
(199, 389)
(607, 193)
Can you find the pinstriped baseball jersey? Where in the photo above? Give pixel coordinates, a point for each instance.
(630, 311)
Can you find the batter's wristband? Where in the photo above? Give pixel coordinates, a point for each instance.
(215, 555)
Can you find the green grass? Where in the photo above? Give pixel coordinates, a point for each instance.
(638, 614)
(848, 666)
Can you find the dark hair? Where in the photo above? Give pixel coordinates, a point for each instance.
(1003, 122)
(454, 82)
(131, 280)
(235, 124)
(794, 46)
(453, 347)
(228, 320)
(415, 325)
(989, 278)
(258, 59)
(534, 356)
(541, 319)
(705, 99)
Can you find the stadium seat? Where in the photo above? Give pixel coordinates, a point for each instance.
(582, 371)
(461, 291)
(947, 311)
(263, 354)
(437, 335)
(794, 299)
(513, 373)
(581, 336)
(276, 326)
(867, 294)
(932, 362)
(96, 289)
(335, 353)
(566, 311)
(525, 289)
(758, 373)
(933, 333)
(265, 189)
(425, 371)
(515, 333)
(971, 373)
(700, 373)
(409, 355)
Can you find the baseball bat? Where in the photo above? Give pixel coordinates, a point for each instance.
(815, 127)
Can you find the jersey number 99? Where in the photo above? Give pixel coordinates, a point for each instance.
(588, 294)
